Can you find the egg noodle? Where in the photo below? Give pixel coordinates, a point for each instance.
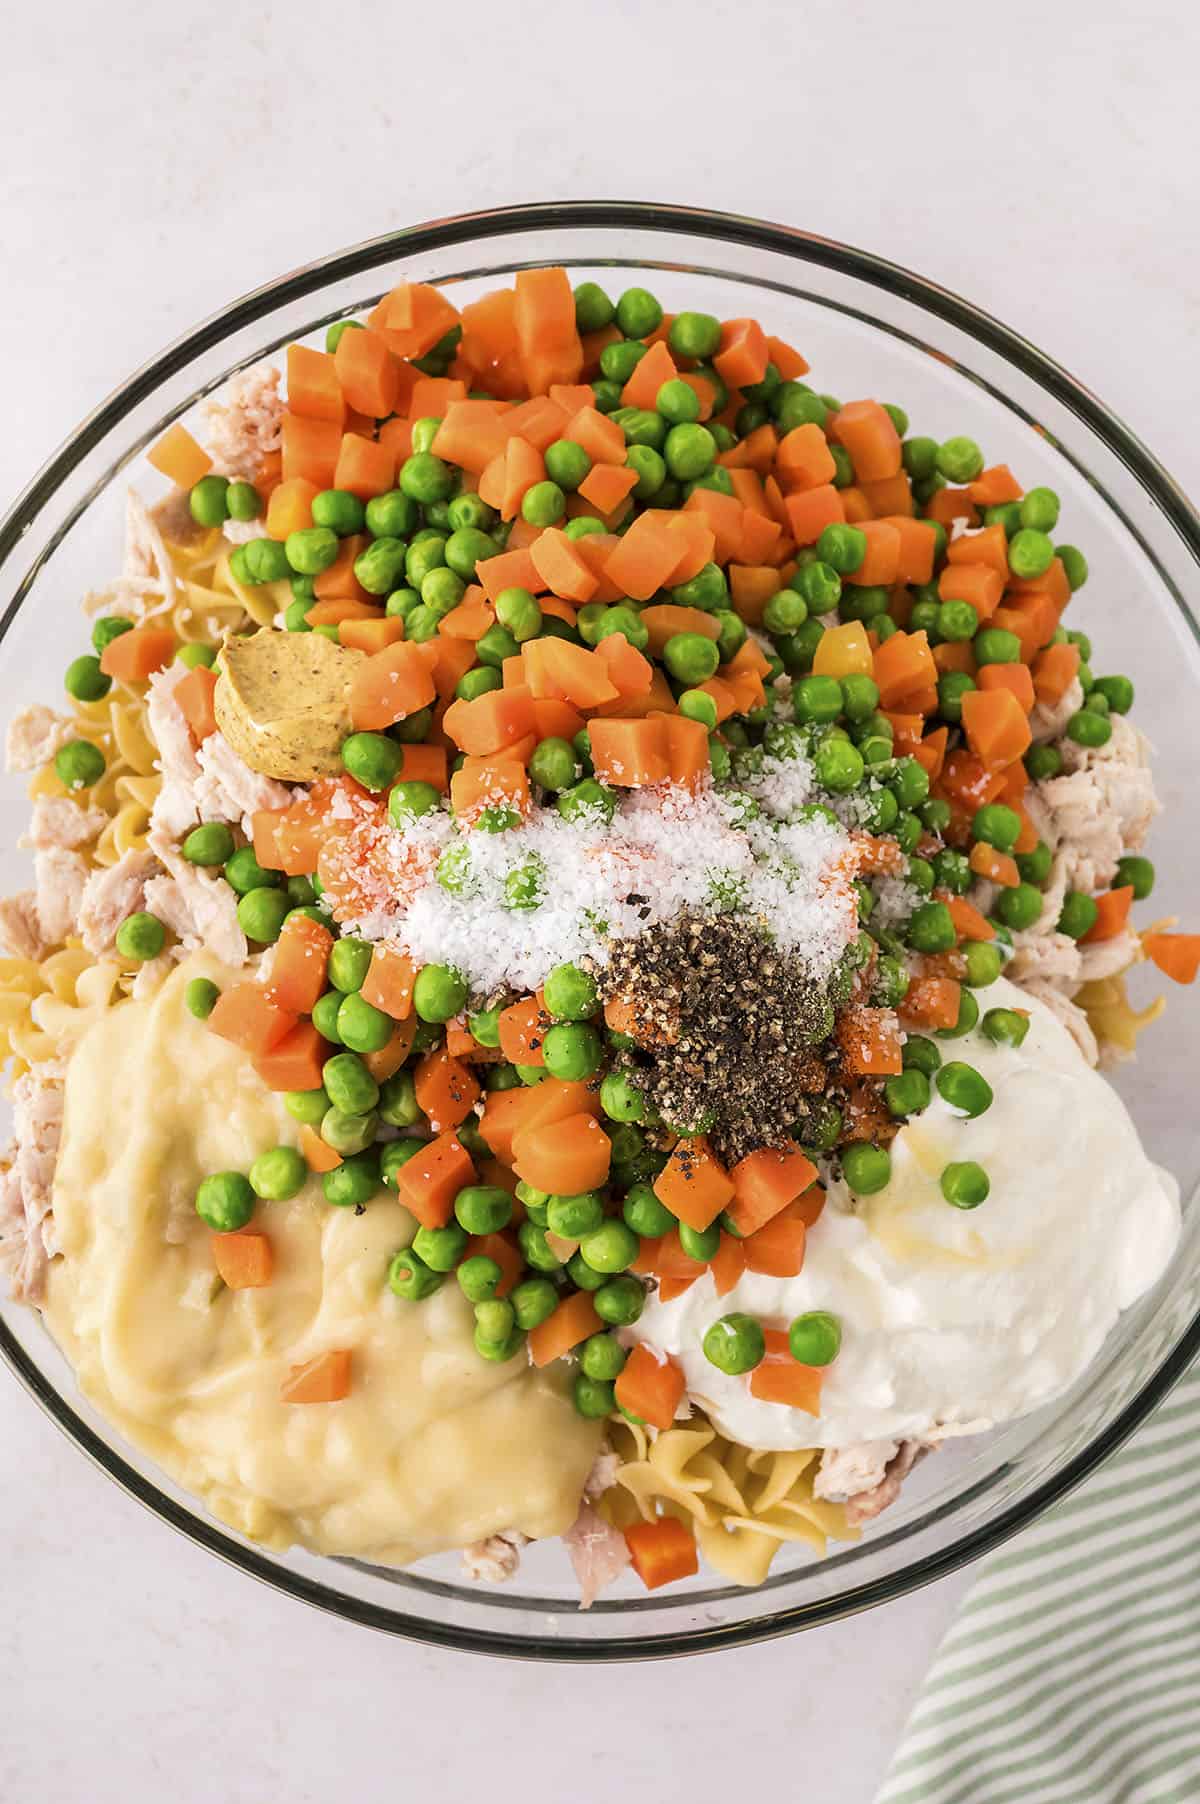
(742, 1504)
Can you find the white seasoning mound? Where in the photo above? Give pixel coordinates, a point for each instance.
(666, 849)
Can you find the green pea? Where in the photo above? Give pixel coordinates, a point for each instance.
(643, 1212)
(475, 683)
(354, 1181)
(372, 759)
(1035, 866)
(295, 617)
(479, 1278)
(279, 1174)
(700, 1243)
(994, 645)
(140, 936)
(959, 460)
(261, 913)
(395, 1156)
(694, 335)
(1078, 916)
(817, 700)
(362, 1027)
(690, 451)
(533, 1301)
(265, 561)
(593, 309)
(398, 1104)
(612, 1247)
(441, 591)
(921, 1054)
(691, 658)
(340, 512)
(495, 646)
(1074, 564)
(333, 333)
(348, 1084)
(621, 1099)
(906, 1094)
(426, 478)
(243, 501)
(965, 1184)
(1019, 907)
(207, 501)
(983, 961)
(1089, 729)
(919, 456)
(606, 395)
(638, 313)
(1030, 553)
(552, 764)
(525, 884)
(543, 504)
(571, 1217)
(409, 801)
(866, 1168)
(619, 1301)
(483, 1208)
(966, 1019)
(571, 993)
(839, 766)
(200, 997)
(587, 801)
(735, 1343)
(964, 1088)
(195, 654)
(1137, 874)
(815, 1338)
(439, 993)
(519, 614)
(1005, 1026)
(920, 872)
(1039, 509)
(843, 548)
(349, 962)
(602, 1357)
(594, 1398)
(225, 1201)
(440, 1248)
(1006, 514)
(107, 628)
(79, 764)
(411, 1278)
(996, 825)
(324, 1015)
(85, 681)
(308, 1106)
(312, 549)
(931, 928)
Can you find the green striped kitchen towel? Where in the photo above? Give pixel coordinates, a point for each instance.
(1072, 1673)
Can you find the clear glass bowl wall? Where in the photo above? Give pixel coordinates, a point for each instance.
(868, 329)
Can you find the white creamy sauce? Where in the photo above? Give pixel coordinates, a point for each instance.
(954, 1320)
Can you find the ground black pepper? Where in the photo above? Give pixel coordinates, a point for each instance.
(730, 1030)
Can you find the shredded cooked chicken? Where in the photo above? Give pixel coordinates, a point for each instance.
(244, 428)
(34, 735)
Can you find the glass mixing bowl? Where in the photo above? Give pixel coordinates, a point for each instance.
(867, 328)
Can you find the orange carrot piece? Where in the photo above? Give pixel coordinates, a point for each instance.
(547, 339)
(810, 511)
(869, 1040)
(387, 1060)
(650, 1388)
(523, 1027)
(782, 1379)
(969, 924)
(313, 389)
(446, 1089)
(993, 487)
(248, 1016)
(605, 486)
(483, 783)
(881, 561)
(600, 437)
(865, 430)
(490, 722)
(978, 584)
(890, 499)
(310, 449)
(1054, 670)
(290, 507)
(1177, 955)
(388, 984)
(573, 1321)
(1112, 915)
(298, 969)
(339, 582)
(432, 1179)
(766, 1181)
(630, 673)
(777, 1248)
(412, 318)
(916, 550)
(949, 505)
(243, 1261)
(996, 866)
(694, 1184)
(390, 686)
(561, 568)
(629, 754)
(178, 457)
(1016, 678)
(194, 693)
(565, 1157)
(325, 1379)
(932, 1002)
(996, 725)
(559, 671)
(656, 367)
(137, 654)
(317, 1155)
(662, 1551)
(665, 619)
(989, 546)
(743, 355)
(364, 466)
(295, 1062)
(903, 664)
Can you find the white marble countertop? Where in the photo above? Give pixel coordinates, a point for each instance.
(161, 162)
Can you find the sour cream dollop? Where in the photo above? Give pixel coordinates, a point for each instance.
(955, 1320)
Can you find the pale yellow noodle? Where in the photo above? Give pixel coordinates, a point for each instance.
(742, 1505)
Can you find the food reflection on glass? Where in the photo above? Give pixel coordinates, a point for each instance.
(579, 898)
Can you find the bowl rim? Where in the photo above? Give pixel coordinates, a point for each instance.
(751, 233)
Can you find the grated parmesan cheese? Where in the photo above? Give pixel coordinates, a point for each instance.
(665, 850)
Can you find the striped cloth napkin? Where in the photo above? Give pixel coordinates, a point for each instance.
(1072, 1673)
